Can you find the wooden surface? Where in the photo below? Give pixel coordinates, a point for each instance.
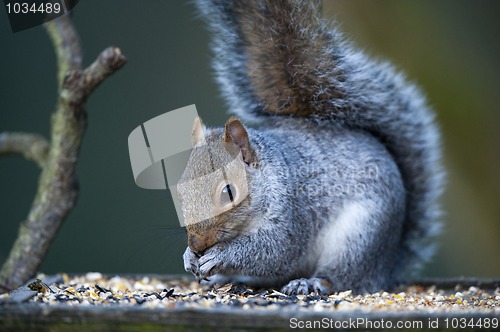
(29, 316)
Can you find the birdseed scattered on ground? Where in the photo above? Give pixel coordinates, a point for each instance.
(98, 290)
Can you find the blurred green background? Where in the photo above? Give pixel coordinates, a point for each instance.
(451, 48)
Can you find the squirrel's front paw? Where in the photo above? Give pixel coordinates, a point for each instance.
(210, 263)
(191, 263)
(306, 286)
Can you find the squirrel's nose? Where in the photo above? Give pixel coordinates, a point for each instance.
(198, 244)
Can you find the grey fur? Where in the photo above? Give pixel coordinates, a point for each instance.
(320, 102)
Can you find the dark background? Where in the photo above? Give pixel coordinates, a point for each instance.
(450, 48)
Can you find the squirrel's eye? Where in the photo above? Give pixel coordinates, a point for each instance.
(227, 195)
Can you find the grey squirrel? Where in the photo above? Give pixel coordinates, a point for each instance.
(343, 170)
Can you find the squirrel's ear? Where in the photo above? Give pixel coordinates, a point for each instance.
(198, 133)
(235, 132)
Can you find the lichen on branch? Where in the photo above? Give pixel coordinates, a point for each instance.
(31, 146)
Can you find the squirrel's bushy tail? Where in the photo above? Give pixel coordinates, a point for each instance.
(280, 58)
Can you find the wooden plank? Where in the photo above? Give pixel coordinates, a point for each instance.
(37, 316)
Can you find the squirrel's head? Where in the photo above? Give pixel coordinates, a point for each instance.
(213, 189)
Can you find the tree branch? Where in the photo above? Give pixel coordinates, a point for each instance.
(67, 46)
(57, 187)
(30, 146)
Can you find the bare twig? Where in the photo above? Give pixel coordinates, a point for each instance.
(30, 146)
(57, 187)
(67, 46)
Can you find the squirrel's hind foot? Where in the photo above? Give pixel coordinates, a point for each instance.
(305, 286)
